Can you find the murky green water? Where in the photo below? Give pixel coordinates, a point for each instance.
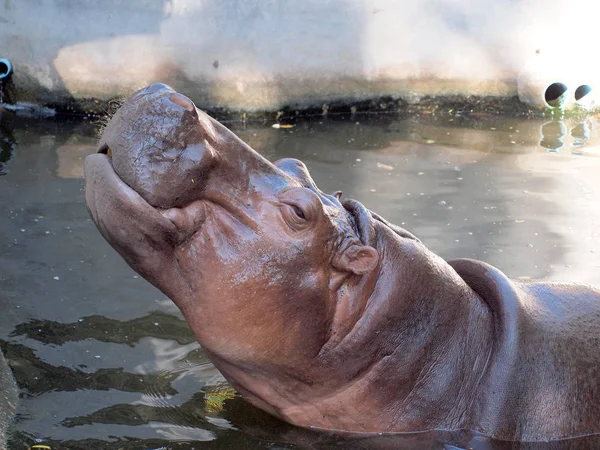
(105, 361)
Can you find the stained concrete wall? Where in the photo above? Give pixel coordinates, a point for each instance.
(265, 54)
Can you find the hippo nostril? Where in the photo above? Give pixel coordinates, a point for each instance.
(105, 149)
(183, 101)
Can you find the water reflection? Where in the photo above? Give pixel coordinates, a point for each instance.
(35, 376)
(105, 361)
(581, 133)
(554, 133)
(156, 324)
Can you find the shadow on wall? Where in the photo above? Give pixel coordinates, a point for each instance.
(33, 42)
(247, 54)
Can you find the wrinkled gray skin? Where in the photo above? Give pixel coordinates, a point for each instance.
(8, 399)
(321, 312)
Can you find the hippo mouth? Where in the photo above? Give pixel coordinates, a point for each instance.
(174, 225)
(109, 199)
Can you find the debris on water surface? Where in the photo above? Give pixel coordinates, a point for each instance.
(282, 125)
(57, 278)
(430, 141)
(519, 221)
(385, 166)
(216, 398)
(442, 203)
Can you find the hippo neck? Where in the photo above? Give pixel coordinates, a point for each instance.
(502, 297)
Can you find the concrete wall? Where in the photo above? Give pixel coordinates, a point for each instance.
(265, 54)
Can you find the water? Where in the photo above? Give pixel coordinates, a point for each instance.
(104, 360)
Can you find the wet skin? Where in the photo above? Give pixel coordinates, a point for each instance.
(322, 313)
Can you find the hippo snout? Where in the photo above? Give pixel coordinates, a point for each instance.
(172, 154)
(162, 146)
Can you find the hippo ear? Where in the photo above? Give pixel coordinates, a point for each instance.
(358, 259)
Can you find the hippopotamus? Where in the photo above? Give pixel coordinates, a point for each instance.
(318, 310)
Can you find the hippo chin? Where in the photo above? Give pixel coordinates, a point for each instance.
(322, 313)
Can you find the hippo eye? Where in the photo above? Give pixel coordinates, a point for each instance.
(299, 208)
(295, 216)
(298, 212)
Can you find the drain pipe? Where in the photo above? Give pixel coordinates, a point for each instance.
(583, 96)
(5, 68)
(555, 95)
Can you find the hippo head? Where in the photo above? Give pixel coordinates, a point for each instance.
(271, 274)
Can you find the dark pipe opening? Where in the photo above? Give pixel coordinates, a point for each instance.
(5, 68)
(554, 94)
(582, 91)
